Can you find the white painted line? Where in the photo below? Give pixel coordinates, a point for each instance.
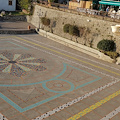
(111, 114)
(66, 59)
(49, 113)
(2, 117)
(58, 109)
(71, 53)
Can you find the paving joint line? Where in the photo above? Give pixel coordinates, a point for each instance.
(94, 106)
(58, 109)
(105, 87)
(67, 59)
(71, 53)
(69, 56)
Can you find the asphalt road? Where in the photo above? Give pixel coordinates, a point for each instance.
(42, 79)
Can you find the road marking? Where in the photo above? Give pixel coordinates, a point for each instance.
(13, 47)
(111, 114)
(65, 59)
(64, 55)
(62, 107)
(92, 107)
(71, 53)
(2, 117)
(68, 56)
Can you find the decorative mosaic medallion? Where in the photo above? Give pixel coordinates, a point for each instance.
(19, 64)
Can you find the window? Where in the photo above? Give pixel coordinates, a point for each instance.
(10, 2)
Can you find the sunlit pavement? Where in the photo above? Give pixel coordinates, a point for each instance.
(42, 79)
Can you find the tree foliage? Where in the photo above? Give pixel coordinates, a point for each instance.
(24, 4)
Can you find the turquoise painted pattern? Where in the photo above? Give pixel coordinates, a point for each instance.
(10, 48)
(60, 93)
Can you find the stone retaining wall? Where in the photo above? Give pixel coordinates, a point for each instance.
(96, 28)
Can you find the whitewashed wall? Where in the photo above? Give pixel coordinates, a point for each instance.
(4, 5)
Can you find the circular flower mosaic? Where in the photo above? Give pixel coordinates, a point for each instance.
(19, 64)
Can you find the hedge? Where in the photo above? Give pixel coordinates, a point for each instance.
(71, 29)
(66, 28)
(106, 45)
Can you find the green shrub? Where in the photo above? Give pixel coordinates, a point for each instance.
(106, 45)
(66, 28)
(73, 30)
(113, 55)
(45, 21)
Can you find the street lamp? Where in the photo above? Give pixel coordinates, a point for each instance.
(39, 13)
(91, 6)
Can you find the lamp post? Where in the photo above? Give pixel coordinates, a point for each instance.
(39, 13)
(91, 6)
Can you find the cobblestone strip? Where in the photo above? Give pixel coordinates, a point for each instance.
(2, 117)
(111, 114)
(75, 100)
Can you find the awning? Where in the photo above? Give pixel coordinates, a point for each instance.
(113, 3)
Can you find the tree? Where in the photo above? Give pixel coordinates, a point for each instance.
(24, 4)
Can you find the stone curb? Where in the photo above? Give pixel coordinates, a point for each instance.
(17, 31)
(76, 46)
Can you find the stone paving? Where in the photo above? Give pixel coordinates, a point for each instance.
(42, 79)
(18, 25)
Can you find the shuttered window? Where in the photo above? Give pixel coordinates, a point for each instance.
(10, 2)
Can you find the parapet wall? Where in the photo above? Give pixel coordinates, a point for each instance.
(31, 31)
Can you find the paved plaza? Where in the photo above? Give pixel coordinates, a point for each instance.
(42, 79)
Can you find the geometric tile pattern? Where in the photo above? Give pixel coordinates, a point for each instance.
(19, 64)
(56, 86)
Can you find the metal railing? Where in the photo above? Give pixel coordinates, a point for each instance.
(78, 10)
(96, 12)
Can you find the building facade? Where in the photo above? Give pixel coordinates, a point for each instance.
(8, 5)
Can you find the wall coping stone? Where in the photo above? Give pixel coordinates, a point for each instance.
(11, 31)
